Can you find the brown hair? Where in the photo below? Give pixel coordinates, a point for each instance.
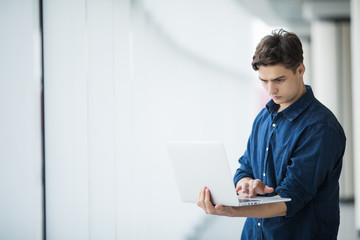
(281, 47)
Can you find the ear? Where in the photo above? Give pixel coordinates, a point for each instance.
(301, 69)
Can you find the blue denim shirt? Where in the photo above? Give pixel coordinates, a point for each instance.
(298, 152)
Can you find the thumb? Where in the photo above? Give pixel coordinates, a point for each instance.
(218, 207)
(268, 189)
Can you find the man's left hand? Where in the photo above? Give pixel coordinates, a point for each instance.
(205, 203)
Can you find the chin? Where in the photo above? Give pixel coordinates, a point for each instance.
(277, 101)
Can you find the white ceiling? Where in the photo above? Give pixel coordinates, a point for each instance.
(298, 14)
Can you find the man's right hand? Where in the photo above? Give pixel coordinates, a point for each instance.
(252, 187)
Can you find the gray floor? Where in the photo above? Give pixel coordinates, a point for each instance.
(213, 227)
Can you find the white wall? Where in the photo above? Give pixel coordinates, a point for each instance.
(331, 81)
(21, 215)
(116, 89)
(79, 142)
(177, 97)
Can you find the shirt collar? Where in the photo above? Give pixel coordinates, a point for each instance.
(294, 109)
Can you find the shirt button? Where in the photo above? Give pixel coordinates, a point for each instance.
(259, 224)
(267, 149)
(264, 174)
(274, 125)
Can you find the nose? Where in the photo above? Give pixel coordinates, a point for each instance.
(272, 89)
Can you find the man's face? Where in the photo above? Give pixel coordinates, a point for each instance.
(282, 84)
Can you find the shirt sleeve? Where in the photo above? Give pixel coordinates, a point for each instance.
(245, 169)
(318, 151)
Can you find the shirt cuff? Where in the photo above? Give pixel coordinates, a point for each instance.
(239, 176)
(292, 206)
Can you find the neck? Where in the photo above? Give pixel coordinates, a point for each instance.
(301, 92)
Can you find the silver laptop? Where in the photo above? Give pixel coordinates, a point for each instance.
(199, 164)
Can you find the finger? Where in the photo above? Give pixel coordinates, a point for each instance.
(239, 189)
(252, 188)
(202, 199)
(245, 187)
(199, 199)
(238, 186)
(256, 184)
(208, 204)
(258, 187)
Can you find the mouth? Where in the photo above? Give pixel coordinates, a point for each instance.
(275, 97)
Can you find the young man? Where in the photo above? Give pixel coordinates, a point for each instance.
(294, 151)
